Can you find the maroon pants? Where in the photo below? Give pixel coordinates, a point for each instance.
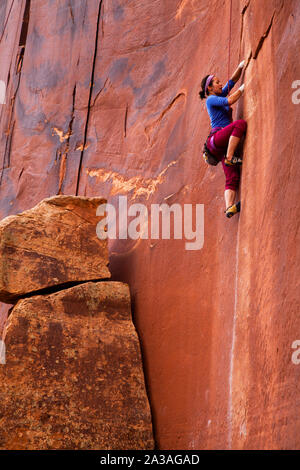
(220, 141)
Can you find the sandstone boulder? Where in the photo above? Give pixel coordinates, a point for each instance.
(53, 243)
(73, 376)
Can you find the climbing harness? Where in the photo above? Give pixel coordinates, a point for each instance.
(210, 158)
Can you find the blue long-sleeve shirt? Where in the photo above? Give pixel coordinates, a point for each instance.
(218, 108)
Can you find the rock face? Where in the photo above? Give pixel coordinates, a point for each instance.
(51, 244)
(73, 377)
(116, 111)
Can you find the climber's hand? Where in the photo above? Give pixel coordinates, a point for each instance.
(238, 72)
(242, 88)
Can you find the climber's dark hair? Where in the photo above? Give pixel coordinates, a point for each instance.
(202, 92)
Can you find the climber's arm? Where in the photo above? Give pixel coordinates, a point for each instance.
(236, 95)
(238, 72)
(226, 89)
(220, 101)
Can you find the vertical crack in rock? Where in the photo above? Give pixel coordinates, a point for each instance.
(125, 120)
(8, 77)
(9, 143)
(6, 158)
(71, 120)
(71, 12)
(90, 96)
(20, 174)
(64, 155)
(247, 62)
(10, 127)
(245, 7)
(102, 25)
(242, 26)
(24, 30)
(6, 21)
(262, 39)
(18, 69)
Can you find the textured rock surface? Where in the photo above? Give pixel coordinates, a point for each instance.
(217, 347)
(53, 243)
(73, 377)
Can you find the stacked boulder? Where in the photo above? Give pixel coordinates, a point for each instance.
(72, 376)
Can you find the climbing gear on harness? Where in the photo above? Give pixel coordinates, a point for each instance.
(210, 158)
(231, 210)
(234, 161)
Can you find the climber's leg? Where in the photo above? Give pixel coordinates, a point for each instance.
(239, 130)
(229, 137)
(232, 145)
(232, 178)
(229, 195)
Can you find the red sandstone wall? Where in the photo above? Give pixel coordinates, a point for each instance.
(216, 325)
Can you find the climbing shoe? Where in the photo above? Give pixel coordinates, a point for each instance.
(234, 161)
(231, 210)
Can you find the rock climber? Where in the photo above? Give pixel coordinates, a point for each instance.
(225, 134)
